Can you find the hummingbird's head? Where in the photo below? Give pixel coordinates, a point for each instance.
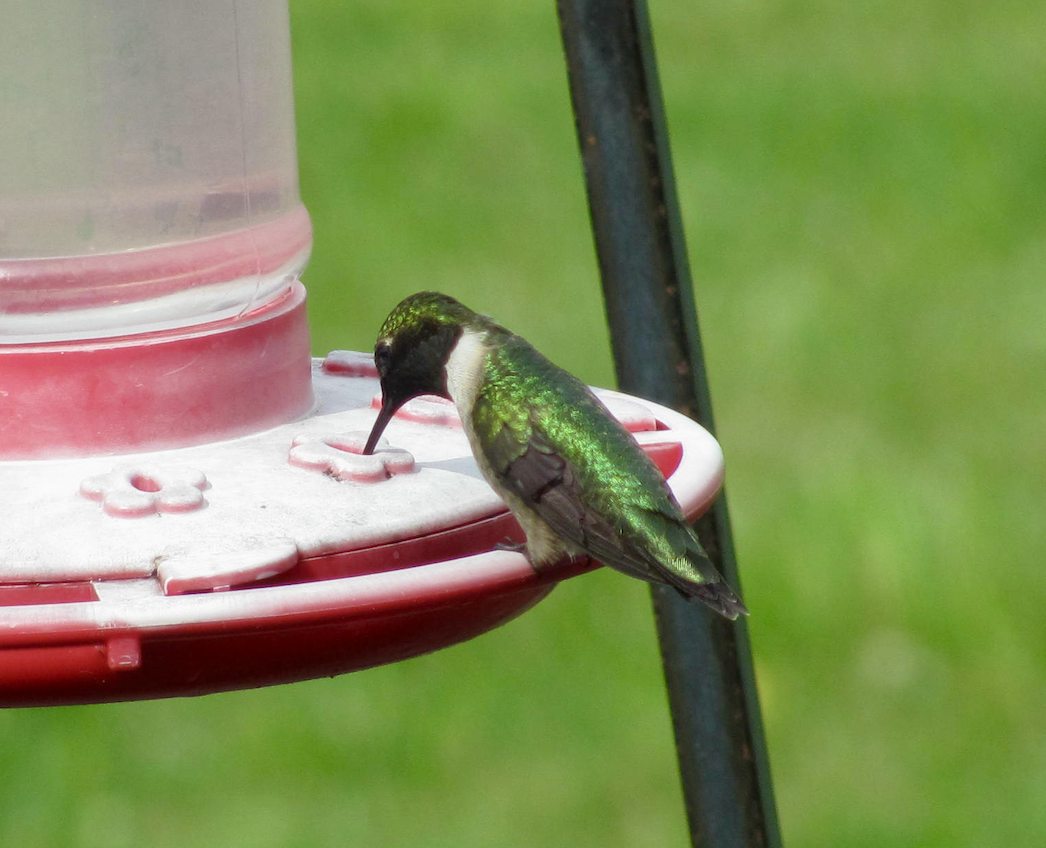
(412, 349)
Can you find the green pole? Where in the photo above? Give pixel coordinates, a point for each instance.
(657, 352)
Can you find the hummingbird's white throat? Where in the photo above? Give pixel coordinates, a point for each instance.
(465, 369)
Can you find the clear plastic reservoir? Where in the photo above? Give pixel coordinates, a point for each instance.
(148, 172)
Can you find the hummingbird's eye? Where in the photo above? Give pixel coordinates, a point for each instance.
(382, 355)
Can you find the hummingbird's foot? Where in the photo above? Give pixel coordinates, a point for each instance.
(511, 547)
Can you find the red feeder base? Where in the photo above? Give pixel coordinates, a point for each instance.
(277, 556)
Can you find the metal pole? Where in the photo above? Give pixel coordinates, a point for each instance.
(657, 352)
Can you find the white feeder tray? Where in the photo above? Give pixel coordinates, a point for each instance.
(278, 556)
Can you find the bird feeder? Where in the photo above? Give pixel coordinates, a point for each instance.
(186, 507)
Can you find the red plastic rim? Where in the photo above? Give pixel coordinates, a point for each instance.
(157, 390)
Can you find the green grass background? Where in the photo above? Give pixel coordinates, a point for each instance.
(863, 192)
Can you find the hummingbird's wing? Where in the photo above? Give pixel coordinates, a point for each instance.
(635, 531)
(547, 483)
(548, 441)
(665, 551)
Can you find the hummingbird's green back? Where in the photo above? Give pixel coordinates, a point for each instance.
(551, 442)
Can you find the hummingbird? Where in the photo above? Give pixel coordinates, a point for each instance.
(576, 480)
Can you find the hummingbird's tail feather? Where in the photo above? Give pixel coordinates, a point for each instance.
(719, 596)
(694, 576)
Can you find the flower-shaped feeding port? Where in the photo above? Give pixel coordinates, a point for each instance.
(133, 491)
(341, 456)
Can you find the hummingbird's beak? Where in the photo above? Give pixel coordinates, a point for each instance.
(388, 409)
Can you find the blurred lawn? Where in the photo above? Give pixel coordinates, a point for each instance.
(863, 189)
